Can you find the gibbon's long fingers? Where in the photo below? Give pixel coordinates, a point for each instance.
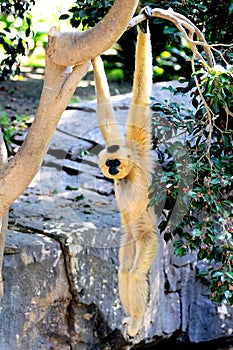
(106, 119)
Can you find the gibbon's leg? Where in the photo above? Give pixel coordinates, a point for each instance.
(146, 246)
(126, 261)
(106, 119)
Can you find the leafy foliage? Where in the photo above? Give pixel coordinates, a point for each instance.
(207, 15)
(10, 126)
(15, 28)
(170, 51)
(203, 141)
(88, 12)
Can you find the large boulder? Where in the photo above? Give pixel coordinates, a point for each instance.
(61, 259)
(34, 308)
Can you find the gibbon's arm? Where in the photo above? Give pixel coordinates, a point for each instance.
(139, 119)
(106, 119)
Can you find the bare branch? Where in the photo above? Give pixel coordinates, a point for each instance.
(187, 28)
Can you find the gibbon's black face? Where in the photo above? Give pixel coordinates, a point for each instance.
(116, 161)
(113, 165)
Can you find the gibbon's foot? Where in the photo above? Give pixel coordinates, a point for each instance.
(132, 325)
(147, 11)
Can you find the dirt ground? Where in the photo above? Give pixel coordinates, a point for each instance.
(22, 96)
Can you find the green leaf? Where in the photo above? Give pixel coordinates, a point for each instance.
(196, 232)
(79, 198)
(216, 274)
(192, 194)
(215, 181)
(228, 294)
(229, 274)
(203, 273)
(70, 188)
(64, 17)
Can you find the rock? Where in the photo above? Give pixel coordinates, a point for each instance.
(33, 311)
(61, 274)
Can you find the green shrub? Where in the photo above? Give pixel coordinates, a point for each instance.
(203, 146)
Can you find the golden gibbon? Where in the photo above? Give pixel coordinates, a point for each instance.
(129, 162)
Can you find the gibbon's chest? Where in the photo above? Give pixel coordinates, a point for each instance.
(132, 193)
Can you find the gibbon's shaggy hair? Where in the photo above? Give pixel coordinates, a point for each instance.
(129, 162)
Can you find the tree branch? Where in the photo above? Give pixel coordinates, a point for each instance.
(74, 48)
(187, 28)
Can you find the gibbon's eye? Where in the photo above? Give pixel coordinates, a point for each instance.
(116, 162)
(112, 162)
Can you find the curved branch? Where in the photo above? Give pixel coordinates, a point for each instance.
(73, 48)
(183, 24)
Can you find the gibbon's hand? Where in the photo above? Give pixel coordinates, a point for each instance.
(147, 11)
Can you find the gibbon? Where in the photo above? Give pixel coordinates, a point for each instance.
(129, 162)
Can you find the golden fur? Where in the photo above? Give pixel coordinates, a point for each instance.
(128, 160)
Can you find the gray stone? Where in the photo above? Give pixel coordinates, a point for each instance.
(61, 285)
(33, 311)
